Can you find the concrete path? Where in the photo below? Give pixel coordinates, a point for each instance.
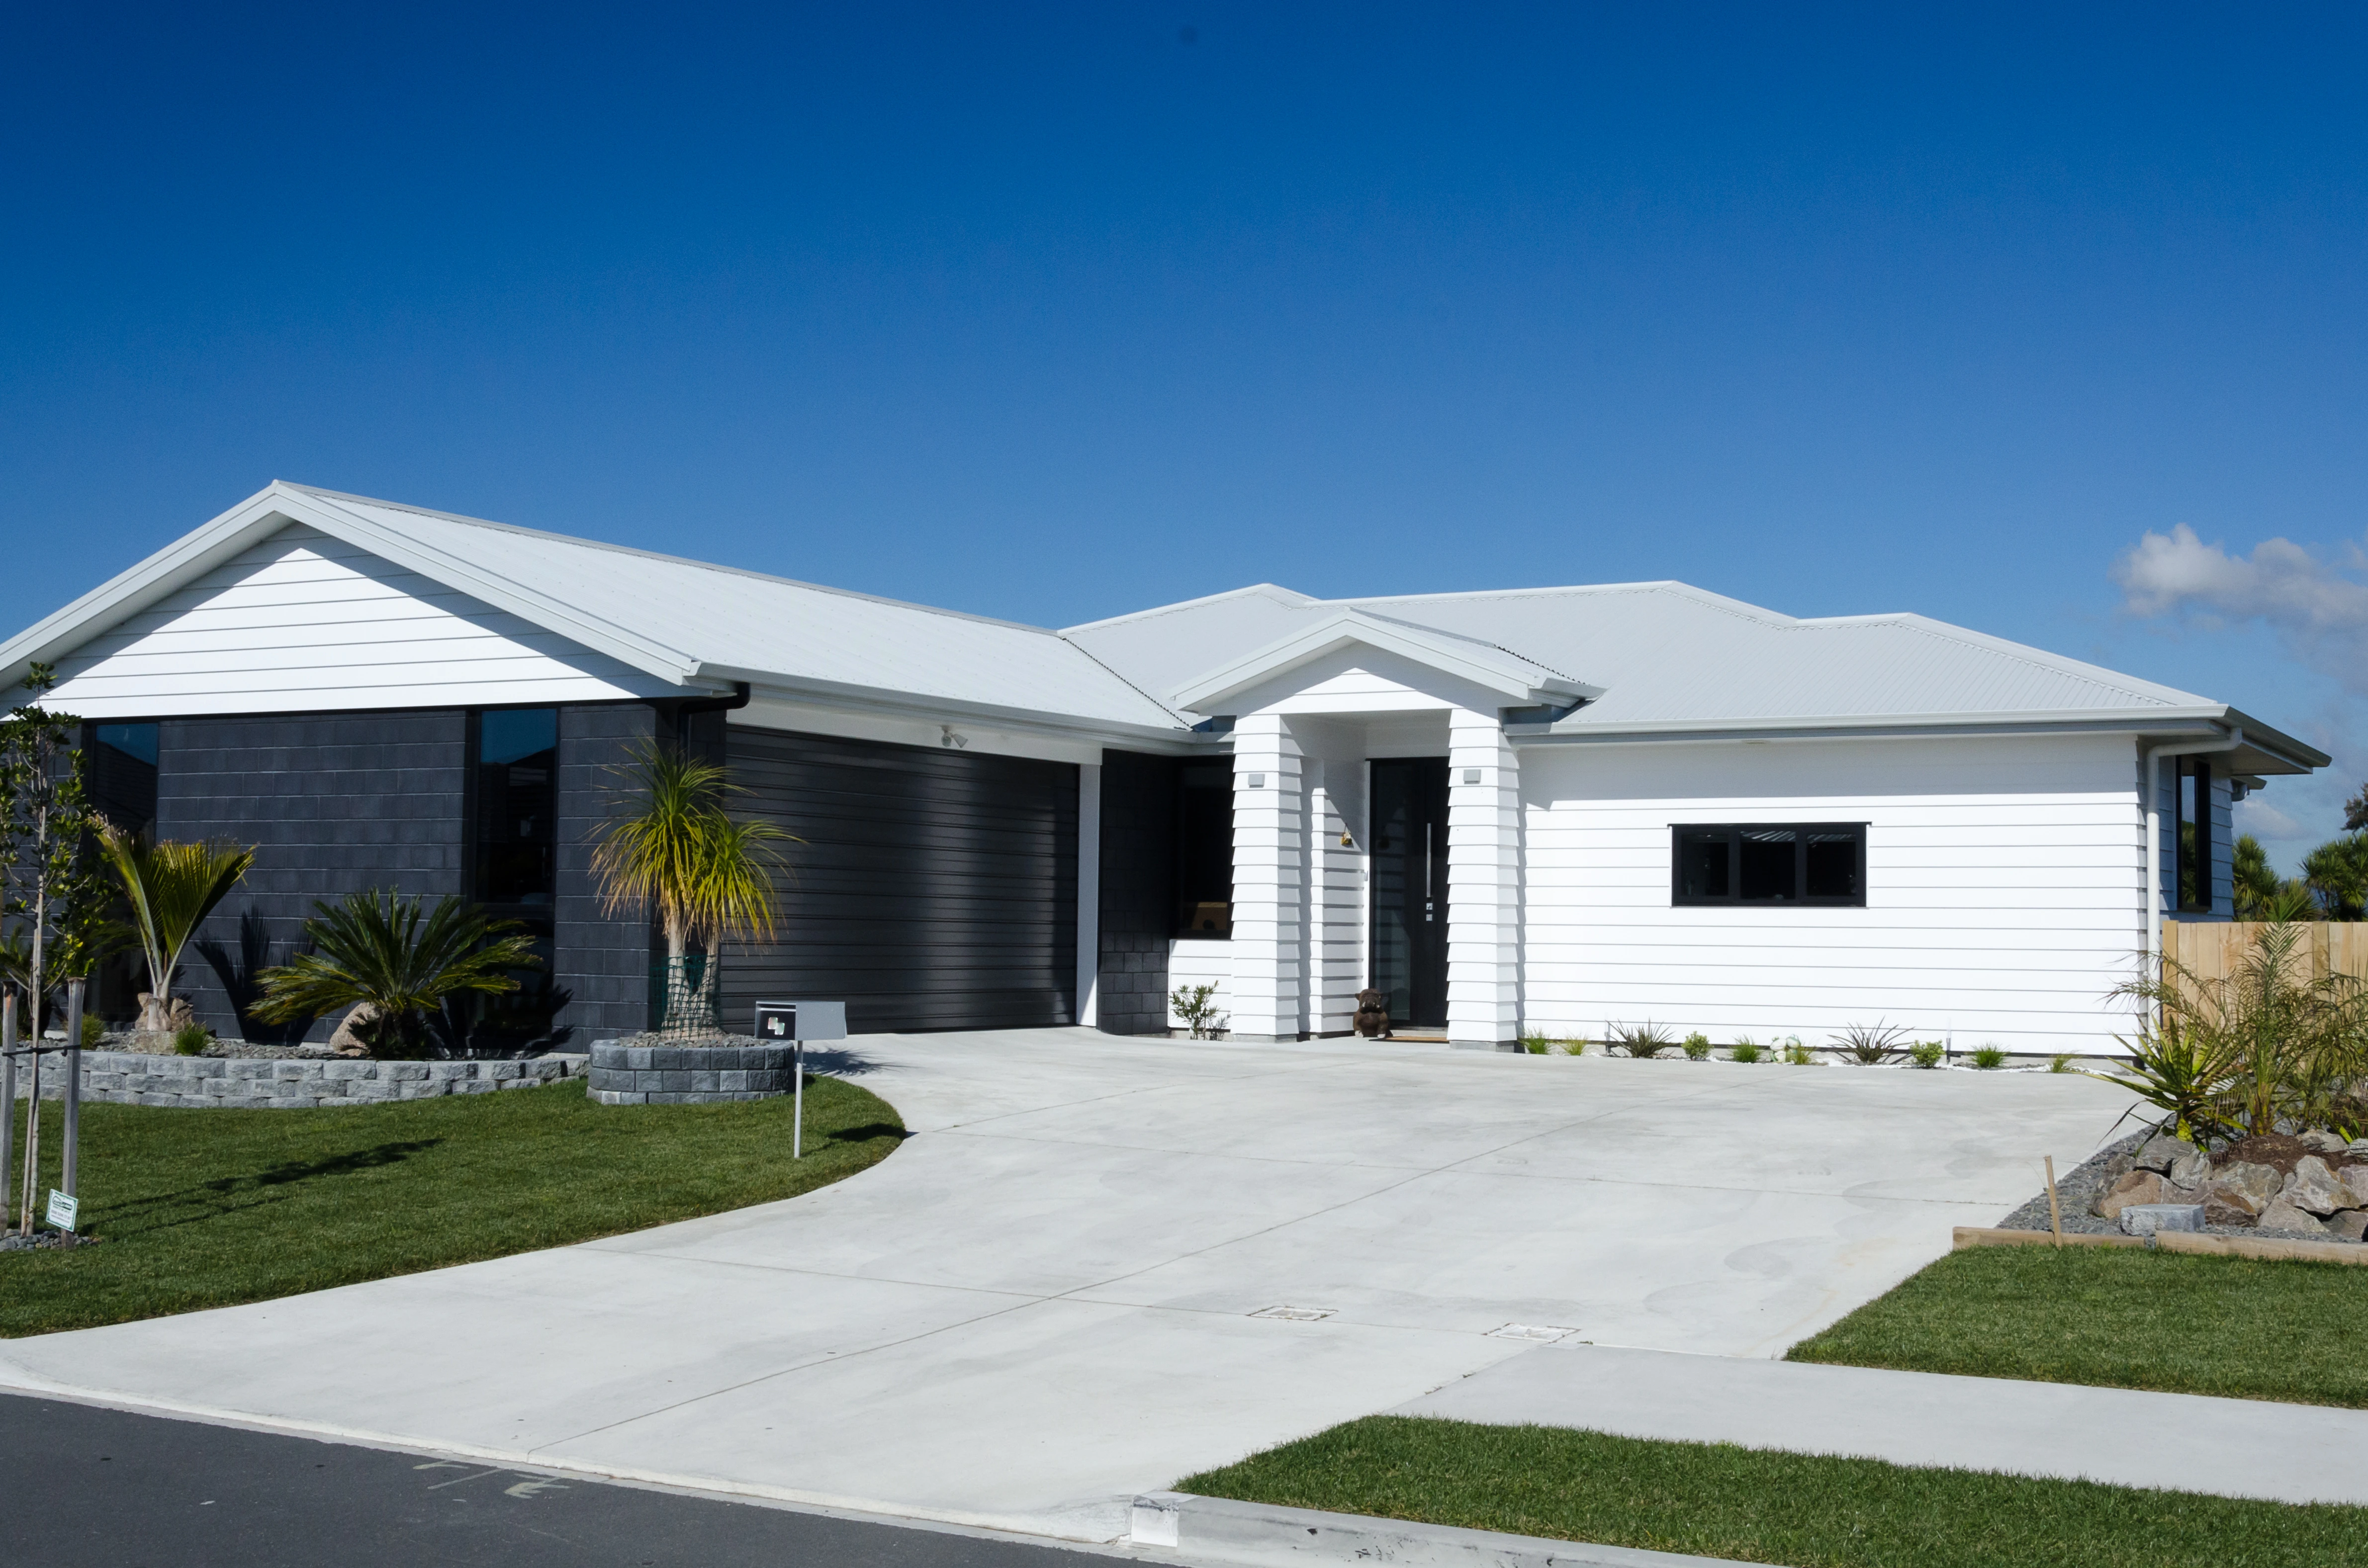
(2235, 1447)
(1099, 1266)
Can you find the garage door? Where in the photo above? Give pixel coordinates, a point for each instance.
(936, 889)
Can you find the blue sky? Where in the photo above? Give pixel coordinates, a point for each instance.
(1052, 312)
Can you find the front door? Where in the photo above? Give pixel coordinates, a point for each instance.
(1409, 889)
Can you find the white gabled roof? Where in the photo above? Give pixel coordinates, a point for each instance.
(696, 626)
(1668, 658)
(1649, 658)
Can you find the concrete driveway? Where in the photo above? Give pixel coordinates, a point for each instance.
(1099, 1265)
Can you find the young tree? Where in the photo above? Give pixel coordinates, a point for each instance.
(674, 850)
(2337, 872)
(2355, 811)
(47, 881)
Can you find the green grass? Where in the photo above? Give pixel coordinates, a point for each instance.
(210, 1208)
(1717, 1500)
(2123, 1317)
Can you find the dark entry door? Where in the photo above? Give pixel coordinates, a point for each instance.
(1409, 831)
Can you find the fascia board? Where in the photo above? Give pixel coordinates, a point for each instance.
(1504, 676)
(2165, 723)
(847, 697)
(643, 654)
(2277, 743)
(129, 592)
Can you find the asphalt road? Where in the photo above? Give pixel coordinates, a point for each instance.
(83, 1487)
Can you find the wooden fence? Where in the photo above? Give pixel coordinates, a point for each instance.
(2211, 949)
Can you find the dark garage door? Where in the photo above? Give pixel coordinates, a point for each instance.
(936, 889)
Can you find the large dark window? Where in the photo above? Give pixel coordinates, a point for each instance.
(1822, 862)
(514, 869)
(2194, 809)
(516, 773)
(1204, 849)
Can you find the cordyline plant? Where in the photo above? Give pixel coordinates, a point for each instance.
(2264, 1046)
(674, 850)
(172, 888)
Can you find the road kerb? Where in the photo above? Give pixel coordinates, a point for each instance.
(1182, 1527)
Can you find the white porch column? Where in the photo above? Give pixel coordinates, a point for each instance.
(1335, 947)
(1270, 935)
(1483, 883)
(1090, 894)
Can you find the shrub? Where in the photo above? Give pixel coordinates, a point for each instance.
(191, 1040)
(1798, 1056)
(1696, 1046)
(93, 1032)
(1536, 1044)
(1927, 1052)
(401, 958)
(1745, 1049)
(1870, 1045)
(2062, 1063)
(1197, 1005)
(1648, 1038)
(1988, 1057)
(1573, 1048)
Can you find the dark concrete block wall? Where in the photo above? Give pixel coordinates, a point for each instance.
(603, 960)
(333, 802)
(1138, 873)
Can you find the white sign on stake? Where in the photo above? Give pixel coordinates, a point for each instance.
(62, 1210)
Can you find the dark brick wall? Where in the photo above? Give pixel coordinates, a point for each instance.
(604, 961)
(334, 803)
(1138, 868)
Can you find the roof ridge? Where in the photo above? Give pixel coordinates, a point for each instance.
(671, 560)
(1466, 636)
(1304, 601)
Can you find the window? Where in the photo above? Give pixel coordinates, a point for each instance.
(2192, 810)
(516, 776)
(1822, 862)
(1204, 849)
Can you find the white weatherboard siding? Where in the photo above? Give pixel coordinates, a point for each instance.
(301, 622)
(2003, 883)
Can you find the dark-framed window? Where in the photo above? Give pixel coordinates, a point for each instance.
(514, 771)
(1204, 849)
(1768, 863)
(2191, 809)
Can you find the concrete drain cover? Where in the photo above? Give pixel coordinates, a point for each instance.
(1540, 1332)
(1294, 1314)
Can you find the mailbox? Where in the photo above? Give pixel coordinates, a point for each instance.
(783, 1022)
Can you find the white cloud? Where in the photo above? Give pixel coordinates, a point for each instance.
(2318, 607)
(2264, 821)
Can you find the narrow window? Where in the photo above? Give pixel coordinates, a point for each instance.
(1768, 863)
(1204, 849)
(2194, 809)
(516, 780)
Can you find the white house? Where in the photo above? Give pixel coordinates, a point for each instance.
(1544, 810)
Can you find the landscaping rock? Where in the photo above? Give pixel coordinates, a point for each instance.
(2323, 1143)
(345, 1042)
(2239, 1192)
(2161, 1151)
(2191, 1171)
(2282, 1219)
(2135, 1189)
(2147, 1219)
(2314, 1189)
(2352, 1225)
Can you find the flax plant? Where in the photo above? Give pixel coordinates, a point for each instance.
(2262, 1047)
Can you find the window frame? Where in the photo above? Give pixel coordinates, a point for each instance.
(2198, 769)
(1734, 899)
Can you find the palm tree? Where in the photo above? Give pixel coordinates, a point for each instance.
(382, 949)
(172, 887)
(2338, 874)
(708, 876)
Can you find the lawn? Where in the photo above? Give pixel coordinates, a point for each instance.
(2123, 1317)
(210, 1208)
(1717, 1500)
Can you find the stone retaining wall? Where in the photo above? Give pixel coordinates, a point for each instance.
(128, 1077)
(682, 1074)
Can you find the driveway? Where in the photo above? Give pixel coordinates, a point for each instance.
(1099, 1266)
